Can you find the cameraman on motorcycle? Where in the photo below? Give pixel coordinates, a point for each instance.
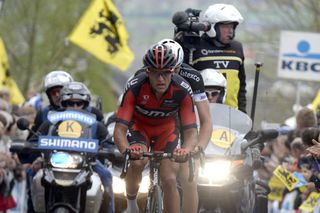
(216, 47)
(75, 95)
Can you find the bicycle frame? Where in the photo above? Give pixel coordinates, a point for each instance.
(154, 200)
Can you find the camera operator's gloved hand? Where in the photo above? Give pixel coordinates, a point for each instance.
(180, 155)
(136, 152)
(256, 158)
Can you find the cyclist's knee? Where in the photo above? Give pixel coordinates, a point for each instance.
(138, 165)
(169, 183)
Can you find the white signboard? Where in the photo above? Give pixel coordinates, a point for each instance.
(299, 56)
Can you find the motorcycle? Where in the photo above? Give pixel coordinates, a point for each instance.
(226, 182)
(115, 164)
(66, 182)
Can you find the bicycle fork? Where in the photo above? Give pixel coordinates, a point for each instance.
(154, 180)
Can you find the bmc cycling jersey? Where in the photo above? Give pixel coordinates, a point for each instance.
(194, 78)
(228, 60)
(154, 119)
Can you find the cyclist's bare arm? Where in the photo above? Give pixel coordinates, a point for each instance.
(190, 136)
(205, 123)
(187, 118)
(120, 137)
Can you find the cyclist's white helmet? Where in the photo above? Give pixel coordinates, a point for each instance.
(217, 13)
(176, 49)
(56, 78)
(212, 78)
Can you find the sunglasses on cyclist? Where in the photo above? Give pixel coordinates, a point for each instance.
(212, 93)
(158, 72)
(74, 103)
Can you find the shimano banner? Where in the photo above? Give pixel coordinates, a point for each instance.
(71, 144)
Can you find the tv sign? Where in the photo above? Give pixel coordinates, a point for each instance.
(299, 56)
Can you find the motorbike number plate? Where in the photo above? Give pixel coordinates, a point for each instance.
(222, 138)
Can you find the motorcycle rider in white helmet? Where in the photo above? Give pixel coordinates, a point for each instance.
(52, 84)
(215, 85)
(218, 50)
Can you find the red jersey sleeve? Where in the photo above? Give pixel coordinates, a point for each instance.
(126, 109)
(187, 114)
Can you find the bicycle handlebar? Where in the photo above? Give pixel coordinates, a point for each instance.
(159, 156)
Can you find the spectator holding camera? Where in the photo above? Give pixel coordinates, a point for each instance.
(218, 50)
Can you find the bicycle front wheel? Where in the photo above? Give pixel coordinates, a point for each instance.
(154, 201)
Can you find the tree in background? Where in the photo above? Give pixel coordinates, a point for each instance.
(34, 33)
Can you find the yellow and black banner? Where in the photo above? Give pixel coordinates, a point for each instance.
(101, 31)
(310, 203)
(6, 81)
(286, 177)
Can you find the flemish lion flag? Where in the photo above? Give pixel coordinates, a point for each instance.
(7, 82)
(316, 102)
(101, 32)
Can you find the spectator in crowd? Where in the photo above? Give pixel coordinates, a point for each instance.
(6, 183)
(305, 117)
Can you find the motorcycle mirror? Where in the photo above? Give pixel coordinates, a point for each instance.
(18, 146)
(23, 124)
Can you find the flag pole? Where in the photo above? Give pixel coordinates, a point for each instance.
(255, 90)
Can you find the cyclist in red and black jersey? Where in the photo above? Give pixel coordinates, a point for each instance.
(152, 104)
(194, 78)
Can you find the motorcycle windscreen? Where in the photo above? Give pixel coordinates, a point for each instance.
(229, 127)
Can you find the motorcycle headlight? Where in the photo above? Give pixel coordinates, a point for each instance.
(65, 160)
(118, 185)
(215, 171)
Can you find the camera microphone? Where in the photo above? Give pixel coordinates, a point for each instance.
(180, 19)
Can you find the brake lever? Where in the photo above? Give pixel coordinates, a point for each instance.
(126, 164)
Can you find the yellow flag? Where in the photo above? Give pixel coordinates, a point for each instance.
(6, 82)
(276, 189)
(4, 64)
(286, 177)
(101, 32)
(310, 203)
(316, 102)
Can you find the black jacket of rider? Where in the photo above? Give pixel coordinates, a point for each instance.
(228, 59)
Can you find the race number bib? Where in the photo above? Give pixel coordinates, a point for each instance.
(222, 138)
